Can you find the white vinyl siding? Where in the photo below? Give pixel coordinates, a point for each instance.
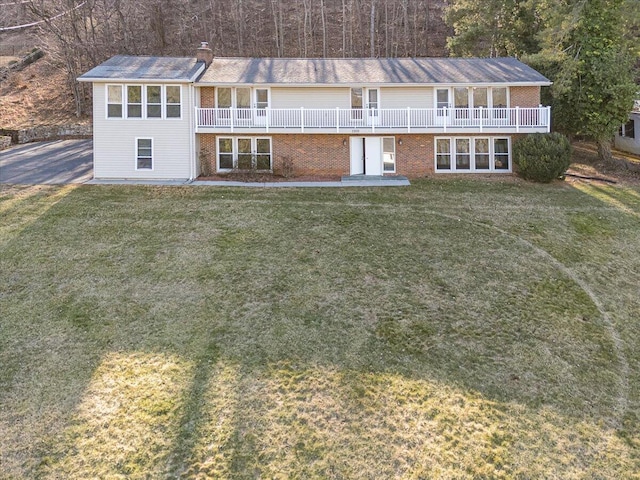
(403, 97)
(115, 142)
(311, 97)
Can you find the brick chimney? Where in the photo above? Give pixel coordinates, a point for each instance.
(204, 54)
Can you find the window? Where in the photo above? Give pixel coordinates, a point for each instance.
(356, 103)
(476, 154)
(499, 95)
(389, 154)
(223, 97)
(173, 101)
(480, 97)
(463, 154)
(443, 154)
(225, 153)
(244, 153)
(144, 101)
(263, 154)
(482, 155)
(628, 130)
(442, 98)
(114, 101)
(501, 153)
(144, 154)
(134, 101)
(154, 101)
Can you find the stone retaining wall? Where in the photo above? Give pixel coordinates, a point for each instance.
(48, 133)
(5, 142)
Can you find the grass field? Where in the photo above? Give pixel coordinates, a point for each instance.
(452, 329)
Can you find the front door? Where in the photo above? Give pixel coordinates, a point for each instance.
(366, 155)
(357, 155)
(373, 156)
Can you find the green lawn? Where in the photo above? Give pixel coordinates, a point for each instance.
(451, 329)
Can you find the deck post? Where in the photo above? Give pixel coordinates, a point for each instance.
(302, 119)
(481, 117)
(267, 118)
(337, 119)
(408, 119)
(518, 118)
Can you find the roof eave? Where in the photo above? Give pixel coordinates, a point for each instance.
(137, 80)
(201, 83)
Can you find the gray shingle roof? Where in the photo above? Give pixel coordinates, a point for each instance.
(124, 67)
(370, 71)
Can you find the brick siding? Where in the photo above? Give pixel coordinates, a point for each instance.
(207, 97)
(328, 155)
(527, 97)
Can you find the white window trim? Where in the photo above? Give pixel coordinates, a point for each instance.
(234, 151)
(135, 158)
(125, 101)
(107, 103)
(472, 148)
(470, 94)
(146, 104)
(395, 156)
(234, 98)
(142, 101)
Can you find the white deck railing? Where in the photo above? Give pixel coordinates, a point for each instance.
(405, 119)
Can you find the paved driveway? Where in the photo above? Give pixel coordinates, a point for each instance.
(55, 162)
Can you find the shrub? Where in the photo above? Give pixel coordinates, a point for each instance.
(542, 157)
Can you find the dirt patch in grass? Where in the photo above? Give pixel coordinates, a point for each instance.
(585, 162)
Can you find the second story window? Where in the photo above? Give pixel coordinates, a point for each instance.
(144, 101)
(174, 101)
(134, 101)
(114, 101)
(154, 101)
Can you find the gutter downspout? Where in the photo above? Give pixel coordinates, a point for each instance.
(192, 137)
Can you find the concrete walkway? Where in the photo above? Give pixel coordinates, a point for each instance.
(345, 182)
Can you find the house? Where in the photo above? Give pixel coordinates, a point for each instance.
(174, 118)
(628, 137)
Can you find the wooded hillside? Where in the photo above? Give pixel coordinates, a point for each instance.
(80, 34)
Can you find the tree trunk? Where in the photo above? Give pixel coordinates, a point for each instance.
(372, 37)
(604, 150)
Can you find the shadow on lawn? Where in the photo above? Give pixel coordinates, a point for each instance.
(355, 342)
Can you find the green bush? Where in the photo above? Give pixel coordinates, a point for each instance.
(542, 157)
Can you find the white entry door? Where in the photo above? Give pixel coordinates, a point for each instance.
(357, 155)
(366, 155)
(373, 156)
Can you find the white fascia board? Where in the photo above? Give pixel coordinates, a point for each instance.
(315, 85)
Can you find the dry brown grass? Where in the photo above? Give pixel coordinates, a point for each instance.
(37, 95)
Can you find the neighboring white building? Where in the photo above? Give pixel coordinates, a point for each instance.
(173, 118)
(628, 137)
